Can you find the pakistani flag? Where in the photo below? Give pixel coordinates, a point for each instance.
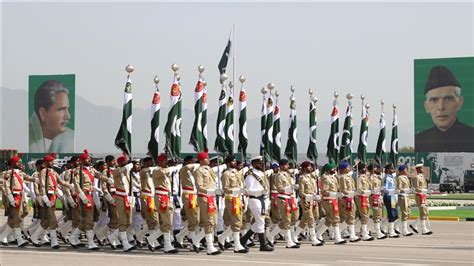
(312, 152)
(197, 134)
(291, 150)
(263, 124)
(394, 142)
(225, 57)
(173, 125)
(269, 129)
(155, 125)
(380, 150)
(276, 154)
(219, 145)
(364, 132)
(333, 141)
(346, 142)
(229, 125)
(243, 139)
(204, 118)
(124, 136)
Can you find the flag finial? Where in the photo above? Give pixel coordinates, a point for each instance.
(156, 80)
(242, 79)
(175, 68)
(129, 68)
(311, 92)
(263, 91)
(223, 77)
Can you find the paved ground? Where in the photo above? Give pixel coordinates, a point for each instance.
(452, 243)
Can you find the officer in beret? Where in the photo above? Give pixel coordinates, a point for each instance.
(442, 101)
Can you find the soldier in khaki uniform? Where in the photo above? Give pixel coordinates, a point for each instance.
(346, 205)
(206, 179)
(274, 211)
(147, 197)
(286, 203)
(109, 190)
(403, 187)
(48, 190)
(232, 184)
(421, 189)
(163, 200)
(362, 200)
(376, 200)
(309, 196)
(83, 180)
(15, 204)
(330, 191)
(123, 199)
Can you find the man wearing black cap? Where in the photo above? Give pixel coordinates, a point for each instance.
(442, 101)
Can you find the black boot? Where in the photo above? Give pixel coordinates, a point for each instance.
(245, 238)
(263, 243)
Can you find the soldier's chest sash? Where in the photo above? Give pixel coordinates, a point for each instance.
(89, 175)
(19, 179)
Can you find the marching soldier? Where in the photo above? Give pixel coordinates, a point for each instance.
(403, 187)
(362, 200)
(375, 198)
(109, 190)
(232, 185)
(134, 229)
(162, 182)
(286, 203)
(123, 199)
(390, 199)
(421, 190)
(257, 189)
(309, 196)
(348, 210)
(206, 188)
(16, 206)
(330, 191)
(274, 211)
(147, 196)
(48, 190)
(83, 180)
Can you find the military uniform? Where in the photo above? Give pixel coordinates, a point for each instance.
(390, 202)
(286, 204)
(421, 190)
(109, 190)
(376, 202)
(403, 186)
(275, 212)
(346, 205)
(189, 200)
(362, 203)
(307, 190)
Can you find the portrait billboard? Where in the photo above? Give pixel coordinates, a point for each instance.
(51, 105)
(444, 104)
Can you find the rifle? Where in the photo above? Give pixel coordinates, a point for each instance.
(81, 185)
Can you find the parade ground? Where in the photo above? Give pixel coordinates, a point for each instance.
(452, 243)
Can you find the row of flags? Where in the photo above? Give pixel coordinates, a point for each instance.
(339, 148)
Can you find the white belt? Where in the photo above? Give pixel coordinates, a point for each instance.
(121, 193)
(284, 196)
(162, 192)
(147, 194)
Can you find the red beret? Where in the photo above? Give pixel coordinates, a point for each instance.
(15, 159)
(49, 157)
(85, 155)
(162, 157)
(203, 155)
(123, 158)
(306, 163)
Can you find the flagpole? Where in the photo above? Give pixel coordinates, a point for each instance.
(234, 70)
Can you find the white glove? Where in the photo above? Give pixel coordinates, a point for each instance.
(60, 193)
(83, 198)
(109, 198)
(407, 190)
(288, 189)
(424, 191)
(110, 181)
(71, 201)
(309, 197)
(334, 195)
(46, 201)
(131, 201)
(317, 172)
(351, 194)
(367, 192)
(211, 192)
(219, 191)
(317, 197)
(11, 200)
(295, 186)
(235, 192)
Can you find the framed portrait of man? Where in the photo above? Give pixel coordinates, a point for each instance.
(444, 105)
(51, 105)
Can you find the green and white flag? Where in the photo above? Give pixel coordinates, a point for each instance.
(124, 136)
(204, 118)
(364, 133)
(346, 142)
(276, 155)
(173, 125)
(219, 144)
(269, 129)
(333, 141)
(291, 150)
(229, 125)
(380, 149)
(394, 142)
(155, 125)
(197, 134)
(263, 124)
(312, 152)
(243, 138)
(225, 56)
